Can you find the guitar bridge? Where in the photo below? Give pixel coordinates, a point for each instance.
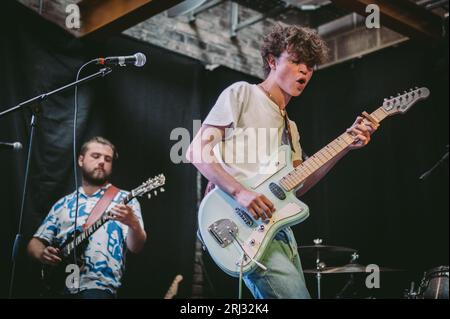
(223, 231)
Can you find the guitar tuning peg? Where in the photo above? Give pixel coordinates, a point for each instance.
(149, 195)
(155, 192)
(162, 190)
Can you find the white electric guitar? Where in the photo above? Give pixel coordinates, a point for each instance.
(235, 240)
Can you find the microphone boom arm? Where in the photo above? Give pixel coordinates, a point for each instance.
(101, 73)
(438, 163)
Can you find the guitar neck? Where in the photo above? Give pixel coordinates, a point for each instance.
(67, 250)
(324, 156)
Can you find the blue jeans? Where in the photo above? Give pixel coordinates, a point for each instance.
(284, 277)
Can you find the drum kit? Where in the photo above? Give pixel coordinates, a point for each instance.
(434, 284)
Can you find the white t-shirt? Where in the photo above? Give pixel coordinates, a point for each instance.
(256, 129)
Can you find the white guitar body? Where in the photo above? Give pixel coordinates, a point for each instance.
(227, 228)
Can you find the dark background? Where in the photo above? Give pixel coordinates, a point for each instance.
(373, 200)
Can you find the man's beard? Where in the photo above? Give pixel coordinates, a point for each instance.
(96, 177)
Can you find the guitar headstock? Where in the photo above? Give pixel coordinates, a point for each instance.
(173, 289)
(152, 184)
(403, 102)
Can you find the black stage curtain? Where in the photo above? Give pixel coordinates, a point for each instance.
(135, 108)
(372, 201)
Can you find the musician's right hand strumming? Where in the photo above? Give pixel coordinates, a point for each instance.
(257, 204)
(200, 153)
(49, 256)
(41, 251)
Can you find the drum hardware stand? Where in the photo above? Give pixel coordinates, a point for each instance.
(348, 284)
(412, 293)
(354, 258)
(319, 266)
(351, 281)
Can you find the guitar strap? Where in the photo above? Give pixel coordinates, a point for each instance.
(101, 206)
(287, 134)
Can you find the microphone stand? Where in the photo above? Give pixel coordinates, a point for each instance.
(36, 108)
(427, 173)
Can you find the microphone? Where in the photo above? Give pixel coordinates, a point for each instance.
(137, 59)
(16, 146)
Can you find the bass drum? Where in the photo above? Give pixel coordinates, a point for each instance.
(434, 284)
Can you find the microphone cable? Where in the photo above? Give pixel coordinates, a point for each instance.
(75, 113)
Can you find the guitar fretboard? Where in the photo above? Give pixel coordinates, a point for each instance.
(297, 176)
(68, 249)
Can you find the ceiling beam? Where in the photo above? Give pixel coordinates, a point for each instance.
(113, 16)
(402, 16)
(100, 17)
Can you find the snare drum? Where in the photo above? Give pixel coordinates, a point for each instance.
(434, 284)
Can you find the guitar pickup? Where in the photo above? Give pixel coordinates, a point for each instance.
(244, 216)
(277, 191)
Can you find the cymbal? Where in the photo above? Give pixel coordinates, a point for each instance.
(324, 249)
(346, 269)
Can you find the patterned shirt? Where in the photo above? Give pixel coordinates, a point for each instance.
(104, 257)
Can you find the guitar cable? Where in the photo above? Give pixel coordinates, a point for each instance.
(241, 264)
(241, 269)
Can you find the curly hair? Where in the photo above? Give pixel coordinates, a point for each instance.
(303, 44)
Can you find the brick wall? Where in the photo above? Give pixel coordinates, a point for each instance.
(208, 38)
